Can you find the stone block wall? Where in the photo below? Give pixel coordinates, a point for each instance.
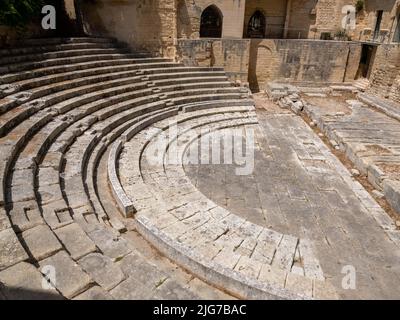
(143, 24)
(189, 15)
(231, 54)
(385, 75)
(302, 61)
(275, 16)
(366, 20)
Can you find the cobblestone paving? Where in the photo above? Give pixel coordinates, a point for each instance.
(298, 188)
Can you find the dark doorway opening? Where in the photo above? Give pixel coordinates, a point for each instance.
(379, 15)
(367, 58)
(211, 23)
(256, 27)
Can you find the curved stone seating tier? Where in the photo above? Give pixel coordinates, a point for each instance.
(42, 96)
(33, 69)
(232, 253)
(63, 105)
(24, 51)
(71, 52)
(29, 79)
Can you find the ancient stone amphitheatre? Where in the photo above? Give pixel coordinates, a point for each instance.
(110, 186)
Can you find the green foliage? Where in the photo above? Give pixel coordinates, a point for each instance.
(360, 5)
(342, 35)
(16, 13)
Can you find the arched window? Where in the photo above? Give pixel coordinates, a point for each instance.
(256, 27)
(211, 23)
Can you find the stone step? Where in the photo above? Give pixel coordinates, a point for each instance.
(23, 51)
(79, 153)
(206, 97)
(9, 102)
(126, 205)
(57, 41)
(167, 239)
(221, 103)
(182, 69)
(111, 112)
(187, 91)
(19, 67)
(61, 77)
(100, 149)
(201, 79)
(175, 74)
(184, 87)
(9, 120)
(7, 67)
(100, 130)
(77, 63)
(56, 129)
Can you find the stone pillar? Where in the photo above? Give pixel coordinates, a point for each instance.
(233, 23)
(70, 9)
(288, 16)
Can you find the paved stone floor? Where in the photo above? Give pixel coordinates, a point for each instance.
(148, 274)
(298, 188)
(370, 139)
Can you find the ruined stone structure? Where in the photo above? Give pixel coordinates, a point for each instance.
(258, 61)
(82, 111)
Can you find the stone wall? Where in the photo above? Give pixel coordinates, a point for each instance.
(143, 24)
(366, 20)
(274, 12)
(231, 54)
(9, 35)
(385, 75)
(262, 61)
(302, 61)
(189, 14)
(66, 25)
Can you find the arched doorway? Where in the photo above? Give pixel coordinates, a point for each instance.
(256, 27)
(211, 23)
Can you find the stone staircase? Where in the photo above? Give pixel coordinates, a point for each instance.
(361, 84)
(67, 107)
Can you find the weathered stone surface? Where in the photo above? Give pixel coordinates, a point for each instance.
(135, 266)
(12, 251)
(25, 215)
(110, 244)
(41, 242)
(94, 293)
(298, 188)
(102, 269)
(4, 221)
(273, 275)
(299, 284)
(24, 282)
(75, 240)
(131, 289)
(171, 290)
(70, 278)
(392, 193)
(323, 290)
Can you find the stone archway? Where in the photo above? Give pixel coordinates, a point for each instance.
(257, 25)
(211, 22)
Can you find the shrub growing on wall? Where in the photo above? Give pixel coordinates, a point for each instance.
(360, 5)
(16, 13)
